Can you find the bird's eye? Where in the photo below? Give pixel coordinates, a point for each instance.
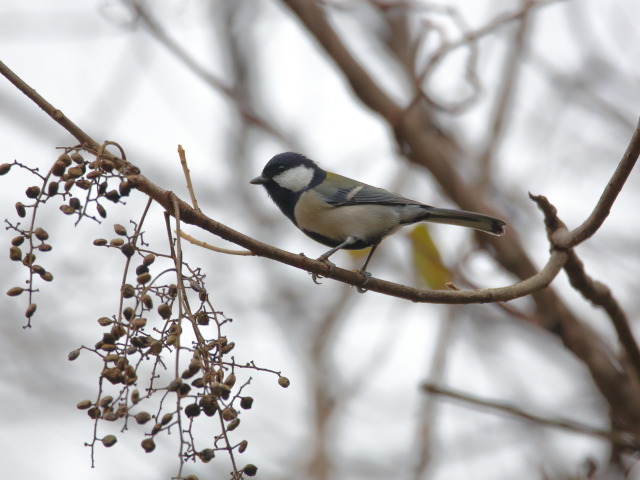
(281, 168)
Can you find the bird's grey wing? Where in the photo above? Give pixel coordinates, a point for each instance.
(341, 191)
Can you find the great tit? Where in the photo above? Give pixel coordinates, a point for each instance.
(343, 213)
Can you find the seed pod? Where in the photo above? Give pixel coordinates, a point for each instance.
(15, 253)
(46, 276)
(138, 323)
(206, 455)
(32, 192)
(106, 165)
(15, 291)
(246, 402)
(105, 401)
(120, 230)
(65, 159)
(233, 425)
(112, 195)
(148, 445)
(166, 418)
(135, 397)
(68, 184)
(149, 259)
(140, 269)
(105, 321)
(17, 241)
(116, 242)
(230, 381)
(52, 188)
(172, 291)
(31, 309)
(124, 188)
(228, 347)
(283, 382)
(28, 259)
(94, 413)
(73, 354)
(202, 318)
(113, 375)
(142, 418)
(250, 470)
(41, 234)
(229, 414)
(165, 311)
(144, 278)
(242, 446)
(67, 210)
(192, 410)
(198, 383)
(100, 242)
(102, 188)
(184, 390)
(84, 404)
(147, 301)
(75, 172)
(58, 168)
(83, 183)
(173, 340)
(4, 168)
(76, 157)
(175, 385)
(101, 210)
(128, 291)
(109, 440)
(156, 428)
(45, 247)
(38, 269)
(128, 249)
(93, 175)
(74, 202)
(20, 209)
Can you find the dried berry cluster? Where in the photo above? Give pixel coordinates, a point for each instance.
(166, 364)
(81, 185)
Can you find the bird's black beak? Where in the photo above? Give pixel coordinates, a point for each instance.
(259, 180)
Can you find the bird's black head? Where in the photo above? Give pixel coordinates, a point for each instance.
(286, 176)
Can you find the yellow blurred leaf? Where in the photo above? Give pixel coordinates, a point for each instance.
(426, 258)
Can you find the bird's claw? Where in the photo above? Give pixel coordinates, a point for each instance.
(360, 288)
(316, 276)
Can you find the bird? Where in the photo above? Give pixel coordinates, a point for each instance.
(343, 213)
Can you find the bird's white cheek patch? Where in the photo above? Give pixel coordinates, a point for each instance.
(295, 179)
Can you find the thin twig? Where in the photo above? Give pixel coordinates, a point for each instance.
(187, 177)
(616, 438)
(202, 244)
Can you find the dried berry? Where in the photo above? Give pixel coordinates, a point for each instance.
(230, 381)
(135, 397)
(15, 291)
(138, 323)
(105, 321)
(101, 210)
(58, 168)
(242, 446)
(192, 410)
(32, 192)
(4, 168)
(46, 276)
(73, 354)
(29, 258)
(20, 209)
(250, 470)
(83, 183)
(52, 188)
(165, 311)
(166, 418)
(75, 172)
(148, 444)
(229, 414)
(149, 259)
(112, 195)
(68, 184)
(128, 249)
(124, 188)
(94, 412)
(65, 159)
(246, 402)
(144, 278)
(45, 247)
(66, 209)
(202, 318)
(15, 253)
(283, 382)
(142, 418)
(116, 242)
(233, 425)
(105, 401)
(17, 241)
(31, 309)
(120, 230)
(147, 301)
(84, 404)
(76, 157)
(75, 203)
(41, 234)
(206, 455)
(100, 242)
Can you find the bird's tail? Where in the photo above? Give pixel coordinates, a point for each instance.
(484, 223)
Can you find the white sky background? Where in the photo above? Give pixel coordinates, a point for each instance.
(116, 83)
